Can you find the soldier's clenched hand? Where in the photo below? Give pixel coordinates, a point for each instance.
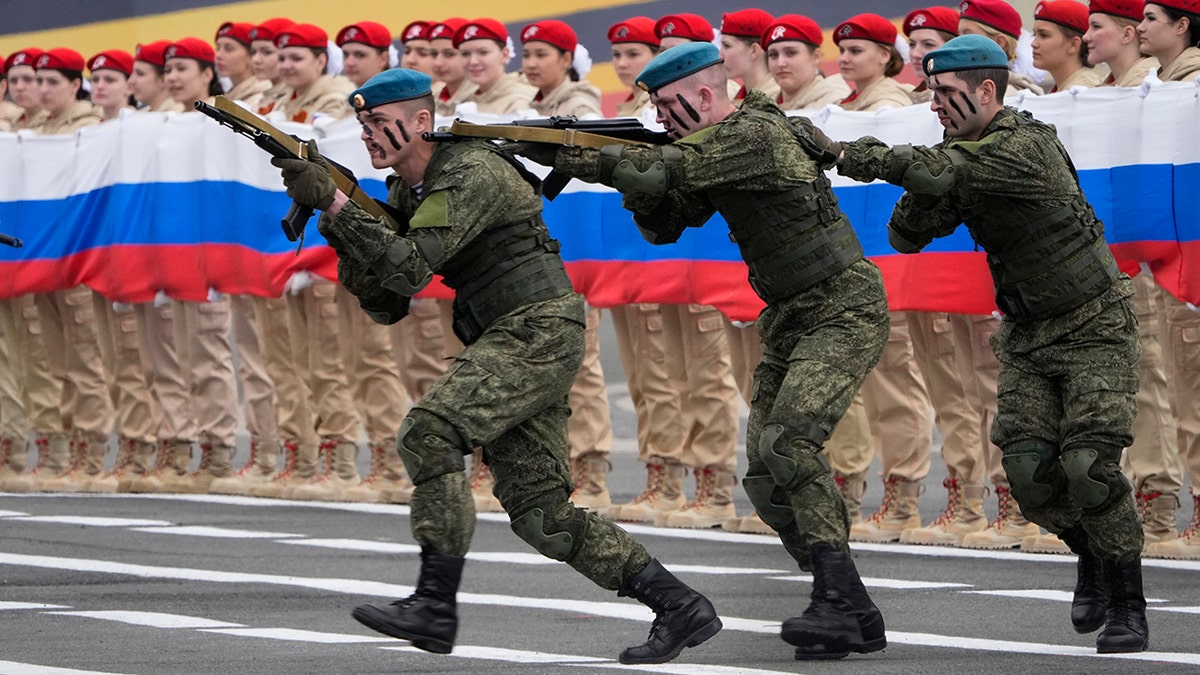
(307, 180)
(539, 153)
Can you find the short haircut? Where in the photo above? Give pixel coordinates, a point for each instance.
(975, 77)
(415, 105)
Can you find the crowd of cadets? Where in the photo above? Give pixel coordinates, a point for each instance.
(74, 367)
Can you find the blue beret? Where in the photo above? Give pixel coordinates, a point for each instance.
(677, 63)
(965, 52)
(397, 84)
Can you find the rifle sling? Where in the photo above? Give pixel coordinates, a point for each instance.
(566, 137)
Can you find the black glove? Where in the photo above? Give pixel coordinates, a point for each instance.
(538, 153)
(307, 180)
(822, 148)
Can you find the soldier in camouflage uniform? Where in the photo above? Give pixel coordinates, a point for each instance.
(473, 215)
(1068, 346)
(826, 319)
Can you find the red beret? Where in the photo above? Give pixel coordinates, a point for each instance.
(792, 28)
(302, 35)
(368, 33)
(446, 29)
(237, 31)
(269, 29)
(866, 27)
(633, 29)
(551, 31)
(995, 13)
(60, 58)
(1130, 9)
(1066, 13)
(481, 29)
(1189, 6)
(746, 23)
(944, 19)
(152, 52)
(190, 48)
(689, 26)
(417, 30)
(24, 57)
(113, 59)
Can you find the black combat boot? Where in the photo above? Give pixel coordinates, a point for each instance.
(1090, 603)
(870, 622)
(1125, 628)
(683, 617)
(829, 628)
(427, 618)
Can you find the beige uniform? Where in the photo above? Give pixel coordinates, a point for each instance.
(581, 99)
(1084, 77)
(249, 92)
(446, 101)
(506, 95)
(822, 91)
(69, 328)
(1022, 82)
(1136, 74)
(879, 95)
(768, 86)
(326, 97)
(1185, 68)
(9, 113)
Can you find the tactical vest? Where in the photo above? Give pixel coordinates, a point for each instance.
(504, 268)
(791, 240)
(1059, 261)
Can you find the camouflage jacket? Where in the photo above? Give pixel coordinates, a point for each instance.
(468, 190)
(1018, 193)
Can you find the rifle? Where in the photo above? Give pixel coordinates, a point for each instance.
(11, 241)
(564, 130)
(278, 144)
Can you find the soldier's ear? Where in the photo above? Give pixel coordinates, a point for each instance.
(423, 121)
(706, 98)
(987, 91)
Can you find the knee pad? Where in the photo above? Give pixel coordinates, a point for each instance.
(787, 463)
(430, 446)
(1094, 479)
(553, 526)
(769, 501)
(1031, 471)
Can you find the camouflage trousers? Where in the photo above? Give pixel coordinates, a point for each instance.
(507, 393)
(818, 347)
(1074, 389)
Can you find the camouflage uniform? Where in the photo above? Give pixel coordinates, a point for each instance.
(478, 223)
(826, 319)
(1068, 347)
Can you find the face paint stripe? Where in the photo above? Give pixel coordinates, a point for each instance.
(403, 131)
(970, 105)
(954, 104)
(391, 137)
(678, 121)
(687, 107)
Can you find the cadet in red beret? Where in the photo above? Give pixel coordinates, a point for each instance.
(741, 47)
(148, 81)
(264, 60)
(1058, 46)
(1112, 40)
(190, 72)
(926, 30)
(999, 22)
(1170, 32)
(634, 44)
(677, 29)
(548, 61)
(365, 50)
(484, 46)
(417, 55)
(21, 76)
(869, 61)
(793, 45)
(9, 111)
(234, 62)
(451, 85)
(111, 91)
(302, 64)
(62, 97)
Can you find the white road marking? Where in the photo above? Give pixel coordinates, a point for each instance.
(604, 609)
(151, 619)
(93, 521)
(571, 660)
(1044, 594)
(713, 535)
(29, 605)
(296, 635)
(217, 532)
(15, 668)
(12, 514)
(876, 582)
(1181, 610)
